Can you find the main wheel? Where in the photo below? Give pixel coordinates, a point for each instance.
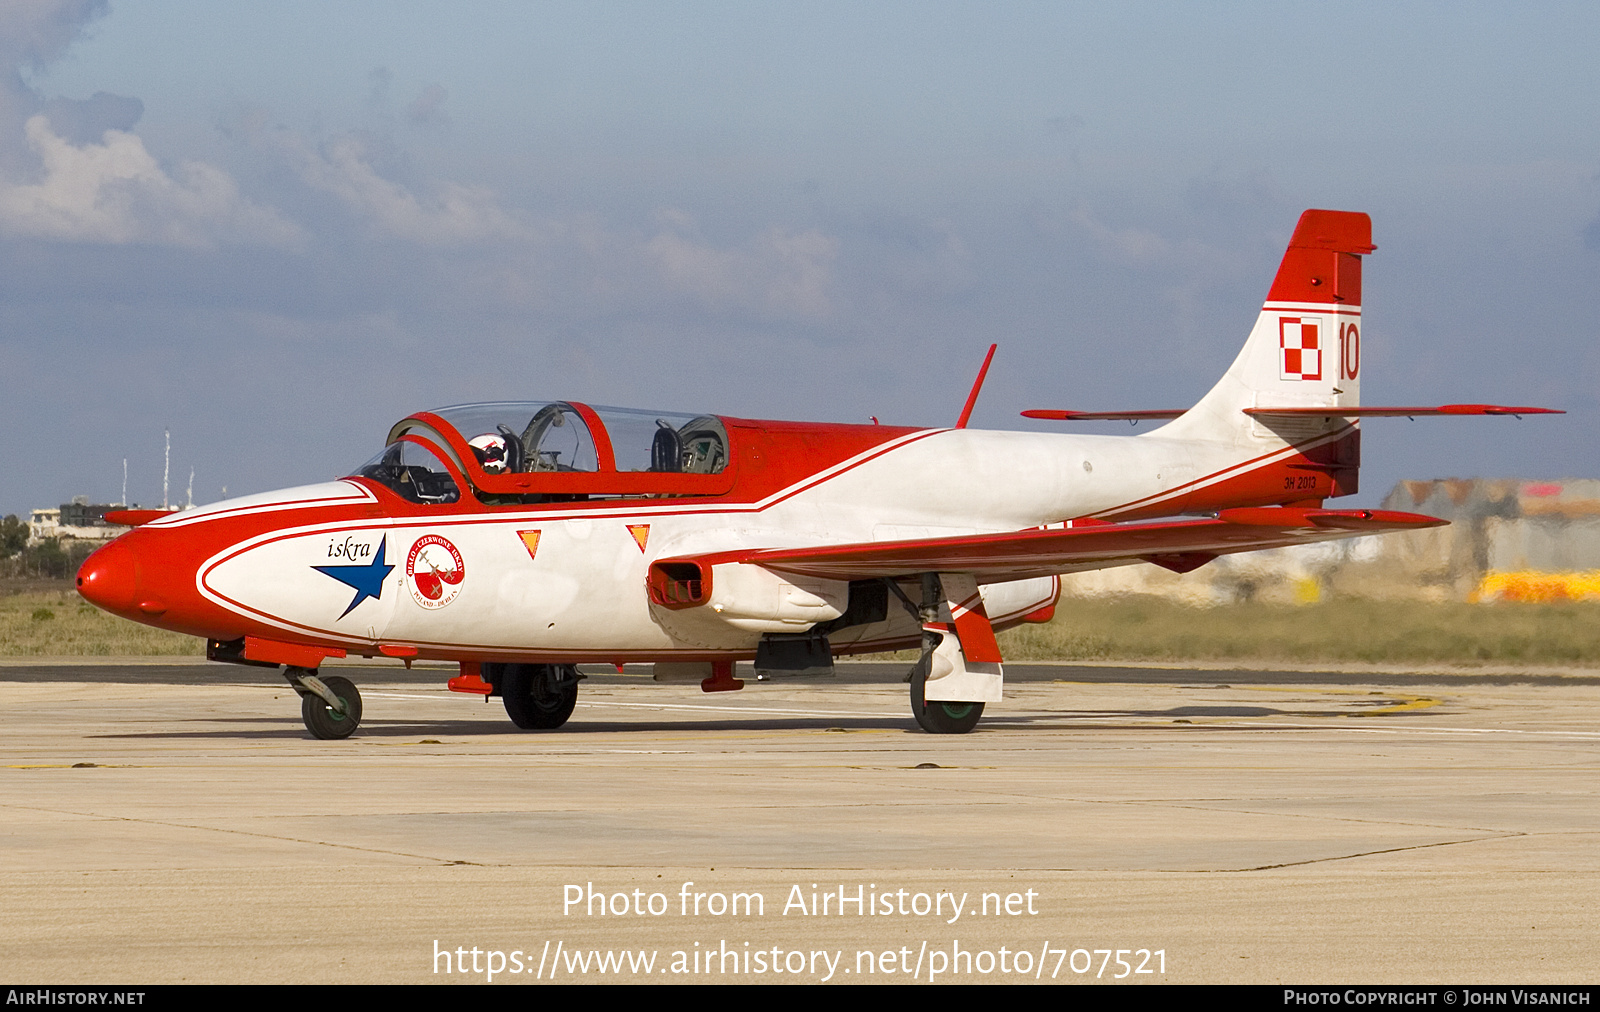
(539, 697)
(322, 720)
(940, 717)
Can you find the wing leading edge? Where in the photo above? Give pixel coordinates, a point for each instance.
(1180, 545)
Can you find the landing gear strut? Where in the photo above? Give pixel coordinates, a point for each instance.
(939, 716)
(331, 707)
(538, 697)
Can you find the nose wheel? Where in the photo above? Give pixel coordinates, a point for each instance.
(330, 707)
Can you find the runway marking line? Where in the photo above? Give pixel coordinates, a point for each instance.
(1401, 730)
(1411, 703)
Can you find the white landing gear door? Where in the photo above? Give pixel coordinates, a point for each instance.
(965, 666)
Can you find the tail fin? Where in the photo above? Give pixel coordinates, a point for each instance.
(1305, 351)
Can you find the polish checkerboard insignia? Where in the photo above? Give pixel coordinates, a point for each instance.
(1300, 341)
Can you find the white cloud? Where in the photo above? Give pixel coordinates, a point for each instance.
(778, 272)
(116, 192)
(453, 214)
(1132, 246)
(70, 170)
(581, 266)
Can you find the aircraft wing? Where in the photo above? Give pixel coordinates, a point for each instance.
(1179, 545)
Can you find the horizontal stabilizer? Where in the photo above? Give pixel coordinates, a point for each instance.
(1020, 555)
(1408, 412)
(1366, 521)
(1331, 412)
(1099, 416)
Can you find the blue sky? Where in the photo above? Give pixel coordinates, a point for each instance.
(310, 219)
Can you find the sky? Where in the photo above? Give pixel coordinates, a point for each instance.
(275, 229)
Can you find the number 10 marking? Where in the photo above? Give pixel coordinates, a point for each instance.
(1349, 351)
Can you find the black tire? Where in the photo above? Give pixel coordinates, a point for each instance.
(940, 717)
(539, 697)
(321, 719)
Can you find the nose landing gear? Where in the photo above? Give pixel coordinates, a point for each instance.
(330, 707)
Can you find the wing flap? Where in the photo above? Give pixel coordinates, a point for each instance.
(1019, 555)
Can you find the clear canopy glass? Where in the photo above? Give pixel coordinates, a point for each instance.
(413, 472)
(500, 447)
(558, 436)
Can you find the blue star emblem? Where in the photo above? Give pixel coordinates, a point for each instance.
(366, 579)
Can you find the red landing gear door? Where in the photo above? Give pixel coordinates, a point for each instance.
(966, 667)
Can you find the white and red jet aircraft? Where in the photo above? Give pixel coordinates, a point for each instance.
(519, 539)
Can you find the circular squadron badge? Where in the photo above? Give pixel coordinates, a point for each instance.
(434, 571)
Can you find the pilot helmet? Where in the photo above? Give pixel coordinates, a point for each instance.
(490, 449)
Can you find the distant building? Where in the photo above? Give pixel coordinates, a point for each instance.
(78, 520)
(1508, 539)
(43, 524)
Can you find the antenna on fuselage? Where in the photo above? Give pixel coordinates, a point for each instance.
(977, 385)
(166, 469)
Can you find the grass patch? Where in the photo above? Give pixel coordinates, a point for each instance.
(59, 623)
(38, 622)
(1136, 628)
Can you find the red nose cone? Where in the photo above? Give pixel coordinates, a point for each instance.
(110, 578)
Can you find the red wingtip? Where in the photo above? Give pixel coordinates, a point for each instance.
(133, 518)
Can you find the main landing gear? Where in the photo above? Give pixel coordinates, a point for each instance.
(939, 717)
(538, 697)
(331, 707)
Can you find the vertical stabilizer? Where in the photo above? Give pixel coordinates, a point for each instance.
(1304, 351)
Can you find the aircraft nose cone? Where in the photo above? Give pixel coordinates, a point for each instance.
(109, 578)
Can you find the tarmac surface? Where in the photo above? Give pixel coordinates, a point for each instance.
(173, 821)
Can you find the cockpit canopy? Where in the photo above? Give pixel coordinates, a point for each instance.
(515, 452)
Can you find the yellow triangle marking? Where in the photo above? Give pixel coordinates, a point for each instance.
(530, 541)
(641, 533)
